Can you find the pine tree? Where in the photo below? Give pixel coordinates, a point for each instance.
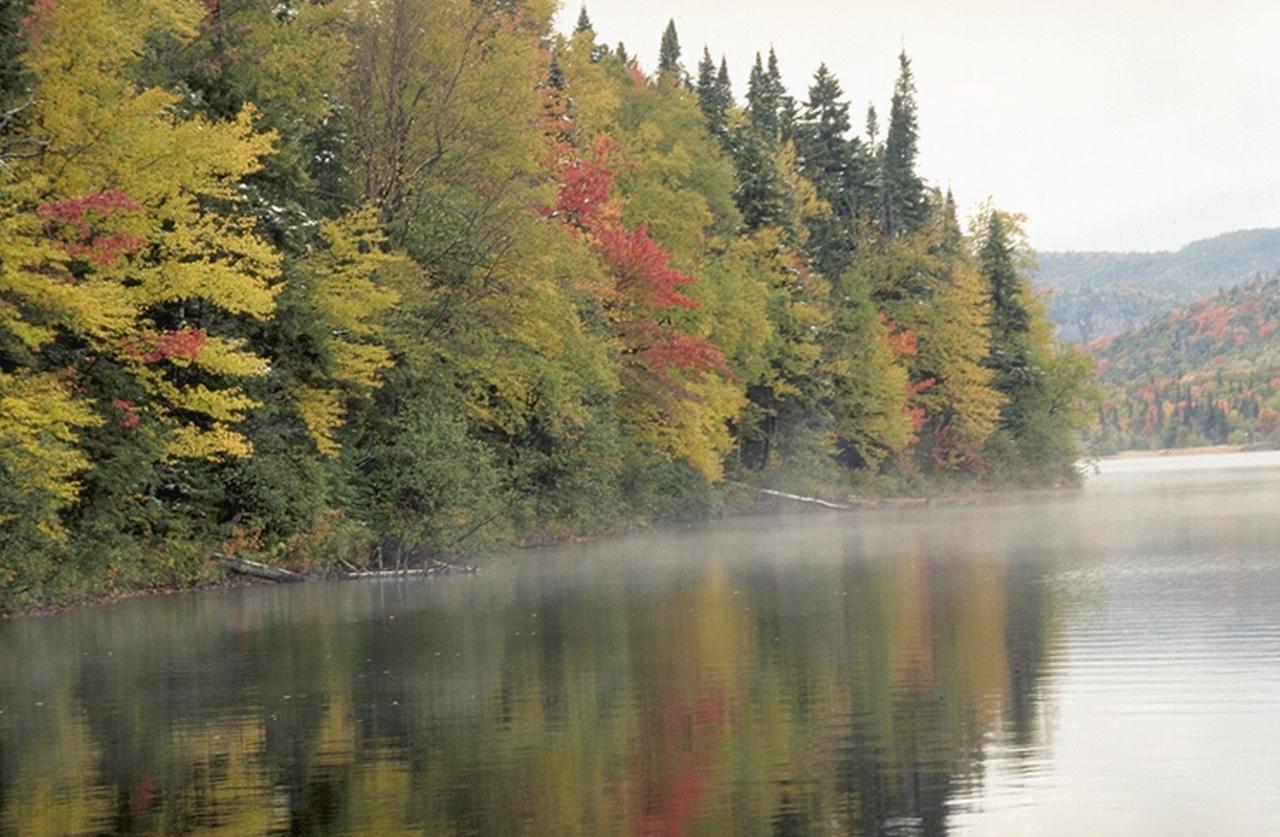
(760, 194)
(904, 205)
(714, 95)
(723, 87)
(837, 168)
(951, 218)
(669, 69)
(776, 90)
(821, 136)
(787, 118)
(599, 51)
(762, 98)
(706, 89)
(1010, 353)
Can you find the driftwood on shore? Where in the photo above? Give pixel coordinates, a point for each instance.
(256, 569)
(799, 498)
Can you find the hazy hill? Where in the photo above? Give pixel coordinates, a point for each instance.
(1097, 294)
(1206, 373)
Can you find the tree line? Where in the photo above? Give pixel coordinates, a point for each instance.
(1205, 374)
(362, 282)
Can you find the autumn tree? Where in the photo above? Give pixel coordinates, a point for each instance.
(125, 268)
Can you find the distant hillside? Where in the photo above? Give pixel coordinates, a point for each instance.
(1097, 294)
(1207, 373)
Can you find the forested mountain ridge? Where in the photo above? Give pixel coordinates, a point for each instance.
(1208, 373)
(1096, 294)
(364, 282)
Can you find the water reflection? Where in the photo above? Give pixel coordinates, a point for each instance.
(949, 670)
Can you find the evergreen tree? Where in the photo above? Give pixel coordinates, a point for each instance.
(763, 95)
(821, 136)
(555, 75)
(904, 203)
(13, 75)
(787, 118)
(760, 194)
(1010, 353)
(951, 218)
(669, 69)
(707, 93)
(775, 90)
(839, 168)
(714, 95)
(723, 88)
(584, 22)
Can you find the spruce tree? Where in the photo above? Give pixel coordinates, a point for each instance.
(763, 95)
(822, 129)
(706, 88)
(904, 204)
(756, 93)
(951, 218)
(555, 75)
(787, 118)
(714, 94)
(723, 88)
(825, 156)
(584, 22)
(669, 69)
(1010, 355)
(13, 41)
(875, 152)
(760, 196)
(776, 89)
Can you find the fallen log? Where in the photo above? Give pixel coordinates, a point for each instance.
(415, 571)
(256, 569)
(799, 498)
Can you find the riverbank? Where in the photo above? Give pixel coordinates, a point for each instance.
(1202, 450)
(737, 500)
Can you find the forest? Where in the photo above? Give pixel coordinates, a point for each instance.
(1205, 374)
(361, 283)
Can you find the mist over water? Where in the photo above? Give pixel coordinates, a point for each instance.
(1099, 662)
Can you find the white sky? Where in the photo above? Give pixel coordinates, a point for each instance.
(1114, 124)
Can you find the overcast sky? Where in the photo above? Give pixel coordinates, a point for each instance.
(1113, 124)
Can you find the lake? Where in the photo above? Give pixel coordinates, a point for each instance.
(1101, 662)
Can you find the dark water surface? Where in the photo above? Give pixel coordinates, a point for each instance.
(1100, 663)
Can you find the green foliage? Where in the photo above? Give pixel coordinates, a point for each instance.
(374, 282)
(904, 205)
(670, 71)
(1047, 386)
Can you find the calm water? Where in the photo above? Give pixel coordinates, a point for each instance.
(1099, 663)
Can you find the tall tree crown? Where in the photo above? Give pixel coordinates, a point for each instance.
(905, 203)
(669, 55)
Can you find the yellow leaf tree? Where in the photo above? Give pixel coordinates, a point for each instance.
(124, 267)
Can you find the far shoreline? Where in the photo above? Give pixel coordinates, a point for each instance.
(1202, 450)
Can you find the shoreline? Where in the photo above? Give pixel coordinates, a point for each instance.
(1202, 450)
(777, 504)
